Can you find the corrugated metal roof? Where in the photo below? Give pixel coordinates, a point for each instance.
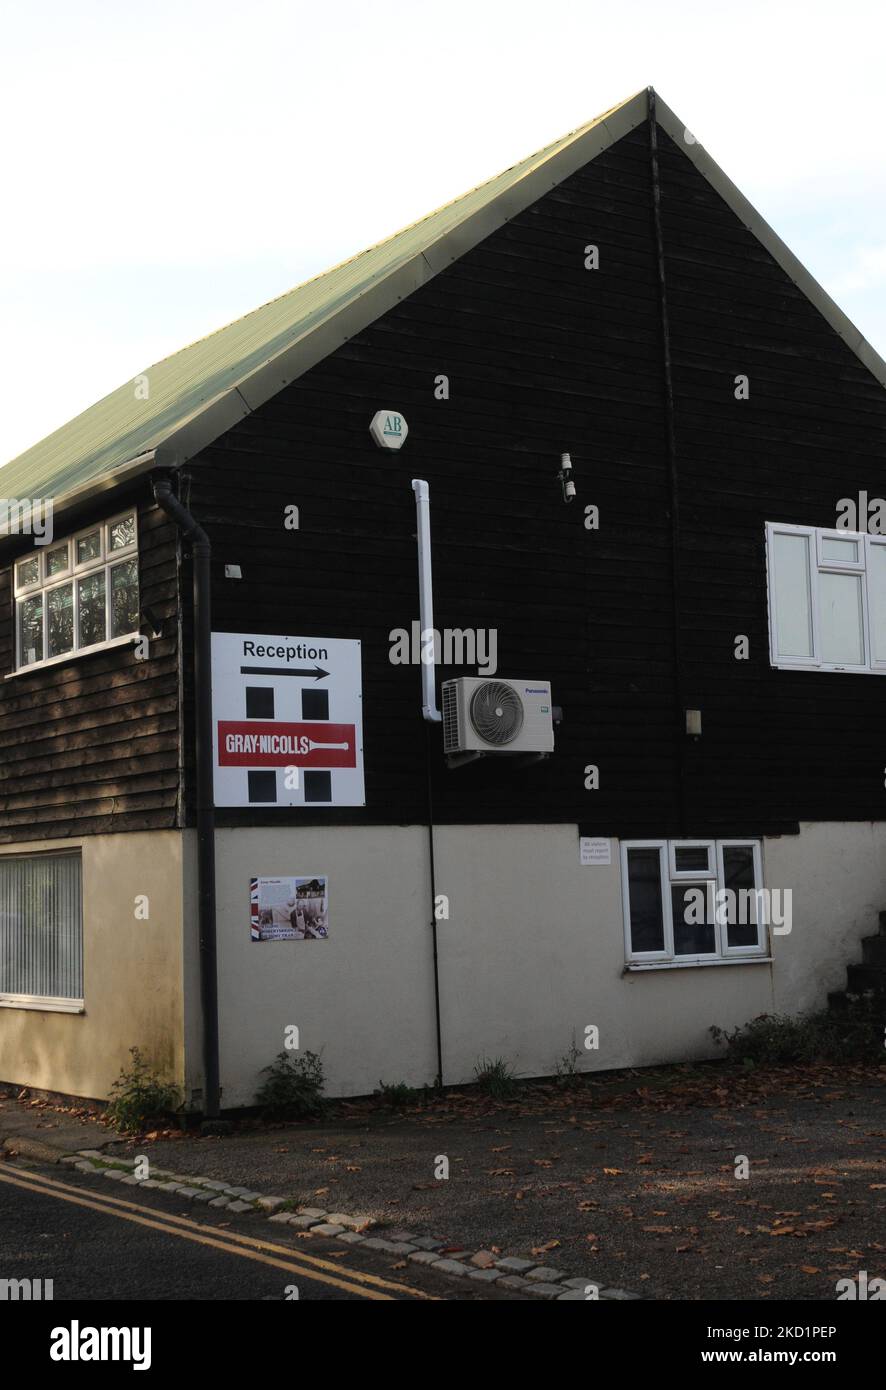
(201, 391)
(122, 426)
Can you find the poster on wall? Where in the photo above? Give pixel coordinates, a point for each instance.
(289, 909)
(288, 716)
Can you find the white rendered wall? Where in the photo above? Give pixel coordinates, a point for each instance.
(531, 954)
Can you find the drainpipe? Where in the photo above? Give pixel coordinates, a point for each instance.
(201, 550)
(431, 715)
(673, 475)
(426, 598)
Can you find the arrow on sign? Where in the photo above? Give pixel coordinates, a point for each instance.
(316, 671)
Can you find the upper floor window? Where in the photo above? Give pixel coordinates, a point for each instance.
(77, 594)
(827, 599)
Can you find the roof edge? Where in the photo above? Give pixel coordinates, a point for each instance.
(141, 463)
(778, 249)
(214, 417)
(209, 422)
(320, 340)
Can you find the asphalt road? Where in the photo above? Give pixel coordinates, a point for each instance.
(135, 1245)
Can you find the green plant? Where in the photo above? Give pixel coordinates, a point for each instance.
(139, 1096)
(826, 1036)
(294, 1088)
(396, 1094)
(495, 1077)
(566, 1069)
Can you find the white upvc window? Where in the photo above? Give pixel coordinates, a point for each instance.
(827, 599)
(77, 595)
(693, 902)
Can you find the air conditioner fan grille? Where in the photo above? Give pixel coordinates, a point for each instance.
(496, 712)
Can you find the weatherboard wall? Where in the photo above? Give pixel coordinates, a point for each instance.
(92, 745)
(543, 355)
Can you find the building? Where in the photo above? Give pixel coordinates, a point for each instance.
(694, 626)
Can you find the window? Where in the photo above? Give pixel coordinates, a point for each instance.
(41, 931)
(693, 901)
(78, 594)
(827, 599)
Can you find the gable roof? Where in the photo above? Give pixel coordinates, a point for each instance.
(201, 391)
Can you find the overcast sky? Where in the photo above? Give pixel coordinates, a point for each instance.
(170, 166)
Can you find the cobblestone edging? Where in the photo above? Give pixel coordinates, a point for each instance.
(484, 1267)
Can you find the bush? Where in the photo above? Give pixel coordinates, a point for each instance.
(827, 1036)
(294, 1088)
(495, 1077)
(139, 1097)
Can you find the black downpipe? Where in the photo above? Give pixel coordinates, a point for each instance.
(201, 549)
(673, 476)
(429, 753)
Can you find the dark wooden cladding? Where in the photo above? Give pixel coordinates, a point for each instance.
(542, 356)
(92, 745)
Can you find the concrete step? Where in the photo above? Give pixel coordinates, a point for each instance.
(873, 950)
(862, 978)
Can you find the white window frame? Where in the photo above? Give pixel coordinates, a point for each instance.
(52, 1003)
(713, 882)
(878, 666)
(105, 562)
(681, 875)
(742, 952)
(819, 565)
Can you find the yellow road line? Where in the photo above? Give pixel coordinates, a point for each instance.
(231, 1243)
(316, 1260)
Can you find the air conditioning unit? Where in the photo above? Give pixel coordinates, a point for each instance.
(483, 714)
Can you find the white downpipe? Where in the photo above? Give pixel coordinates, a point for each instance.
(426, 600)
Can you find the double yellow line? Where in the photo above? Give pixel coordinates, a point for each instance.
(231, 1243)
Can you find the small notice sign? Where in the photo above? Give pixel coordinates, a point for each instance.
(595, 851)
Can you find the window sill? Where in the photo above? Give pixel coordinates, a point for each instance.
(826, 667)
(635, 967)
(129, 640)
(45, 1004)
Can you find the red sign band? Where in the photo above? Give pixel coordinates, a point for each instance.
(269, 743)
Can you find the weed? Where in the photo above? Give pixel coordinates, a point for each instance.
(139, 1097)
(294, 1088)
(495, 1077)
